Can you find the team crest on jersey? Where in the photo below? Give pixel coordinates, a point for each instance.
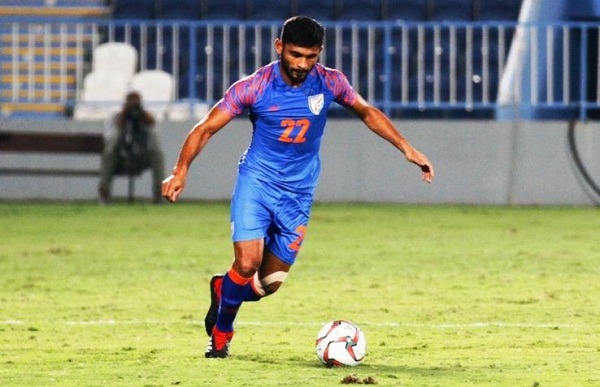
(316, 103)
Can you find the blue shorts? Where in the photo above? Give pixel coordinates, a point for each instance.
(259, 210)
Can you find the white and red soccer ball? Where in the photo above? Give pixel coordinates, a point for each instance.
(340, 343)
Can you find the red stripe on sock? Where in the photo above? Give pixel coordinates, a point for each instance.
(238, 279)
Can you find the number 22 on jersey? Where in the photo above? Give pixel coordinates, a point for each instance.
(288, 134)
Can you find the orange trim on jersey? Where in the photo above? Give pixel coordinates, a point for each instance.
(238, 279)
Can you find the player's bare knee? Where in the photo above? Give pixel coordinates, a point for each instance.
(245, 268)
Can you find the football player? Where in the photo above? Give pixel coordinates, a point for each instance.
(287, 101)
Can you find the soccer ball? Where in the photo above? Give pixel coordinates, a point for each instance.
(341, 342)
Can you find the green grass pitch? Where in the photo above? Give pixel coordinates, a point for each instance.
(446, 295)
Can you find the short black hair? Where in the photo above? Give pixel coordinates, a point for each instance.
(302, 31)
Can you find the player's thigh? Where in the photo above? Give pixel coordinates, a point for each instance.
(285, 238)
(272, 264)
(250, 215)
(248, 256)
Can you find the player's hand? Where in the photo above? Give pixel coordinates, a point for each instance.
(423, 162)
(428, 173)
(172, 187)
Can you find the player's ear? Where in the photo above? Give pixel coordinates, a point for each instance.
(278, 46)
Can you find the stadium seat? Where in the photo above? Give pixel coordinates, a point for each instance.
(224, 46)
(164, 57)
(472, 91)
(224, 9)
(102, 95)
(360, 10)
(399, 34)
(403, 46)
(258, 55)
(179, 9)
(487, 47)
(342, 46)
(200, 84)
(178, 31)
(269, 10)
(496, 49)
(134, 9)
(453, 10)
(427, 91)
(103, 86)
(115, 58)
(505, 10)
(407, 10)
(183, 85)
(132, 32)
(156, 90)
(321, 10)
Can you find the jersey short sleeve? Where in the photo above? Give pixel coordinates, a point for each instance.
(243, 93)
(343, 92)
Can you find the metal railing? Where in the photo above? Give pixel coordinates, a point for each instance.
(407, 69)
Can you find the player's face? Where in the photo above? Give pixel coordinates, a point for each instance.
(296, 61)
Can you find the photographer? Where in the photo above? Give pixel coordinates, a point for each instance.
(130, 147)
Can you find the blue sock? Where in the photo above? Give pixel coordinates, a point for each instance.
(232, 295)
(250, 294)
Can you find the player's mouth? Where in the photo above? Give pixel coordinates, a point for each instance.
(299, 74)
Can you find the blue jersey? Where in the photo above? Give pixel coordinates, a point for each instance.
(288, 123)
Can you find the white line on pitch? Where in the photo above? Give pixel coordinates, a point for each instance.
(299, 323)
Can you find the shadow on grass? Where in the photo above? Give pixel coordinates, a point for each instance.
(380, 370)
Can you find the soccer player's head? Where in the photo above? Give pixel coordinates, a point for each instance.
(302, 31)
(299, 47)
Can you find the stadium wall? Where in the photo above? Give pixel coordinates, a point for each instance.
(477, 162)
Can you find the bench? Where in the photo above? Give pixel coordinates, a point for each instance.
(56, 143)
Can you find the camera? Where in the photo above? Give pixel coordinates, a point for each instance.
(134, 112)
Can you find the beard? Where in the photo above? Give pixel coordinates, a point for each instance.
(295, 75)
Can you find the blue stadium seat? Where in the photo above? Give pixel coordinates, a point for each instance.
(506, 10)
(442, 48)
(134, 33)
(134, 9)
(320, 10)
(165, 57)
(394, 51)
(344, 42)
(179, 9)
(269, 10)
(428, 93)
(224, 9)
(454, 10)
(493, 48)
(476, 86)
(185, 87)
(176, 33)
(360, 10)
(223, 52)
(407, 10)
(439, 52)
(200, 84)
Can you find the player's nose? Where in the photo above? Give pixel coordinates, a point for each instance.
(302, 64)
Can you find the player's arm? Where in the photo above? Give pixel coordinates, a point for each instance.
(379, 123)
(195, 141)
